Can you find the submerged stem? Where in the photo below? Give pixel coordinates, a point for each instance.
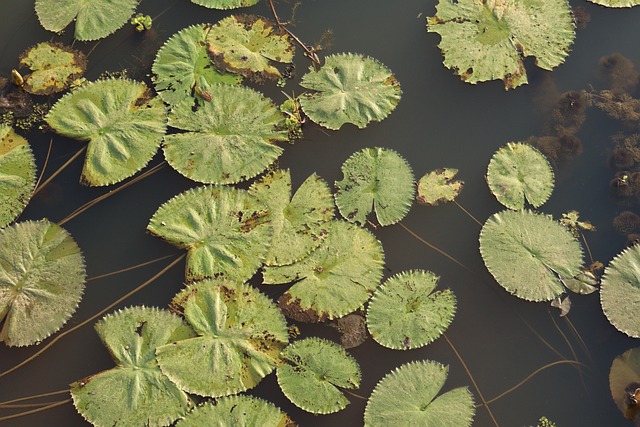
(308, 52)
(468, 213)
(133, 267)
(60, 169)
(35, 396)
(44, 167)
(586, 245)
(33, 411)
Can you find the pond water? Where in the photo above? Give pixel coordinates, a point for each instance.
(440, 122)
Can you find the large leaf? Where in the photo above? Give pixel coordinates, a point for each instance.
(488, 40)
(616, 3)
(620, 291)
(17, 174)
(529, 254)
(135, 392)
(121, 120)
(53, 67)
(624, 382)
(182, 66)
(94, 19)
(226, 231)
(300, 224)
(336, 279)
(439, 186)
(349, 88)
(237, 411)
(314, 368)
(248, 45)
(406, 313)
(519, 172)
(229, 139)
(241, 333)
(42, 278)
(225, 4)
(407, 397)
(375, 179)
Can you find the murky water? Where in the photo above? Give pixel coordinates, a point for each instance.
(440, 122)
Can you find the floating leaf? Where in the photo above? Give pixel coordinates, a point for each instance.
(517, 172)
(529, 254)
(237, 411)
(375, 179)
(407, 397)
(228, 140)
(564, 305)
(352, 328)
(583, 283)
(349, 88)
(572, 222)
(624, 382)
(224, 4)
(121, 120)
(183, 63)
(616, 3)
(620, 291)
(488, 40)
(225, 230)
(135, 392)
(53, 67)
(240, 335)
(335, 279)
(17, 174)
(248, 44)
(94, 19)
(314, 368)
(438, 186)
(406, 313)
(41, 281)
(299, 224)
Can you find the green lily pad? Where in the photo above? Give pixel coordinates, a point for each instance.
(312, 371)
(135, 392)
(620, 291)
(624, 382)
(121, 120)
(95, 19)
(438, 186)
(616, 3)
(248, 45)
(224, 4)
(183, 63)
(229, 139)
(349, 88)
(53, 67)
(335, 279)
(519, 172)
(584, 283)
(42, 278)
(407, 397)
(226, 231)
(300, 224)
(237, 411)
(17, 174)
(488, 40)
(375, 179)
(240, 335)
(529, 254)
(406, 313)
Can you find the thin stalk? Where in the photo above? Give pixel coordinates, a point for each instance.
(308, 52)
(33, 411)
(60, 169)
(354, 394)
(579, 337)
(586, 245)
(26, 405)
(133, 267)
(44, 167)
(35, 396)
(564, 337)
(468, 213)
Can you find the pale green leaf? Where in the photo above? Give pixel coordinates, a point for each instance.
(620, 291)
(439, 186)
(17, 174)
(616, 3)
(53, 67)
(624, 379)
(224, 4)
(583, 283)
(237, 411)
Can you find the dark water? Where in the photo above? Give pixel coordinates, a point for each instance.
(440, 122)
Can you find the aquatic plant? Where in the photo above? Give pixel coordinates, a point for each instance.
(53, 68)
(141, 22)
(439, 186)
(236, 411)
(224, 4)
(618, 73)
(620, 289)
(616, 3)
(569, 112)
(17, 174)
(627, 222)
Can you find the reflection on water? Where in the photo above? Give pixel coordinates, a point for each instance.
(440, 122)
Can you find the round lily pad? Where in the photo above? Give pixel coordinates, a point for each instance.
(237, 411)
(17, 174)
(53, 67)
(42, 278)
(620, 291)
(224, 4)
(616, 3)
(624, 382)
(406, 312)
(439, 186)
(312, 371)
(349, 88)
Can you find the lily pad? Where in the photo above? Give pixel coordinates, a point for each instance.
(624, 382)
(237, 411)
(407, 397)
(224, 4)
(488, 40)
(312, 371)
(616, 3)
(519, 172)
(121, 120)
(248, 45)
(529, 254)
(42, 278)
(349, 88)
(95, 19)
(439, 186)
(240, 335)
(620, 291)
(300, 224)
(135, 392)
(335, 279)
(229, 139)
(375, 179)
(182, 66)
(53, 67)
(17, 174)
(226, 231)
(406, 313)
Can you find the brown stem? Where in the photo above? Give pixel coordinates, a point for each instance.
(44, 167)
(133, 267)
(60, 169)
(35, 396)
(308, 52)
(586, 245)
(33, 411)
(468, 213)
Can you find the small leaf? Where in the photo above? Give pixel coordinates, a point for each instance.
(583, 283)
(564, 305)
(236, 411)
(620, 291)
(224, 4)
(572, 222)
(17, 174)
(53, 67)
(438, 186)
